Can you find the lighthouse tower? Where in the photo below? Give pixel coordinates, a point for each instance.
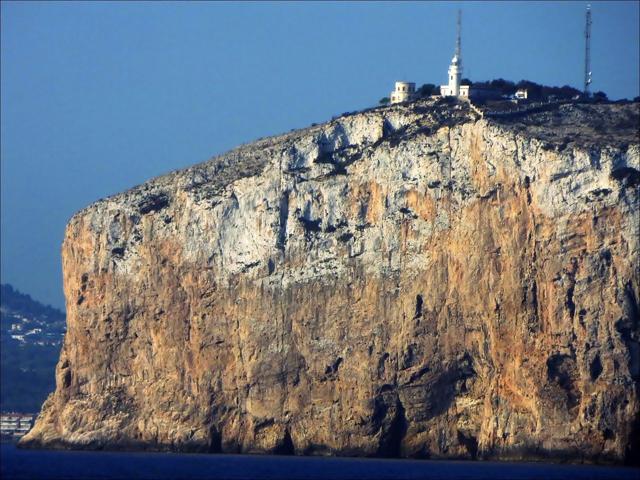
(452, 89)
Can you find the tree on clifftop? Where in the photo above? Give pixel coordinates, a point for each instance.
(600, 96)
(427, 90)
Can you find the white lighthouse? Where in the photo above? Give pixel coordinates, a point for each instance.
(453, 88)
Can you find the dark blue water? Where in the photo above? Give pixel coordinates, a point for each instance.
(51, 464)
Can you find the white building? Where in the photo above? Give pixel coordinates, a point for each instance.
(15, 424)
(522, 94)
(453, 88)
(404, 92)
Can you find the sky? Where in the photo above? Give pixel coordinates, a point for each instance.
(98, 97)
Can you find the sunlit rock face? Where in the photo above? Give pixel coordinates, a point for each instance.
(408, 281)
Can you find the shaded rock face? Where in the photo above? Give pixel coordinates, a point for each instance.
(409, 281)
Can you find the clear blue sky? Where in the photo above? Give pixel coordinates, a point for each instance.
(98, 97)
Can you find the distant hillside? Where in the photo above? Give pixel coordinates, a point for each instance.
(31, 338)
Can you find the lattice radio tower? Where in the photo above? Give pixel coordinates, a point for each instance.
(587, 51)
(458, 38)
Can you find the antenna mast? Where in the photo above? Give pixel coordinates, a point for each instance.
(458, 41)
(587, 52)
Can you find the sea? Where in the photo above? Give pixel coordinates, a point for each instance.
(81, 465)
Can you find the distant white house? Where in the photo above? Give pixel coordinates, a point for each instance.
(15, 424)
(522, 94)
(403, 92)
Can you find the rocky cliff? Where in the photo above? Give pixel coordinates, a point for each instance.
(408, 281)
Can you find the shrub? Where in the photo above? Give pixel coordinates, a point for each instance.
(427, 90)
(600, 96)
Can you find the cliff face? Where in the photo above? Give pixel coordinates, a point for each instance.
(410, 281)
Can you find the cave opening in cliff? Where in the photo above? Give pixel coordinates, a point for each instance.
(419, 302)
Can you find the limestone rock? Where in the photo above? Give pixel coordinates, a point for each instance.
(406, 281)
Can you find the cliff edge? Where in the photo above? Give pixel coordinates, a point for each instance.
(408, 281)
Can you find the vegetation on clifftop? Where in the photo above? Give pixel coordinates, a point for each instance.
(508, 88)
